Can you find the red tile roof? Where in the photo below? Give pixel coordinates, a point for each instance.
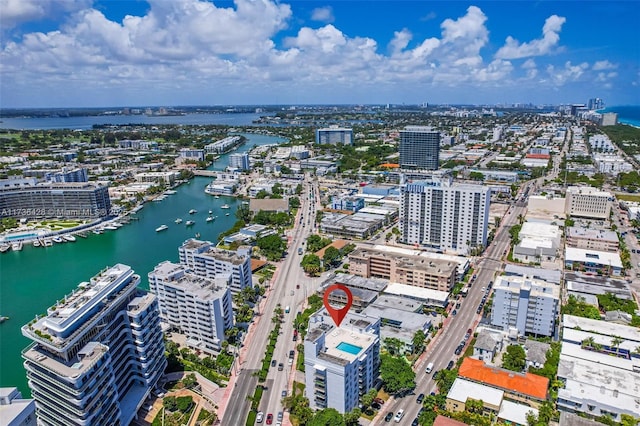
(446, 421)
(523, 383)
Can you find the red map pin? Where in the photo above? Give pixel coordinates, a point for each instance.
(337, 314)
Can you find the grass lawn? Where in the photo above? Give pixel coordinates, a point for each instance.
(298, 386)
(628, 197)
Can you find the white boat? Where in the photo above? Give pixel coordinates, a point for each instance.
(111, 227)
(225, 206)
(190, 222)
(97, 231)
(192, 211)
(210, 212)
(69, 238)
(227, 214)
(217, 196)
(16, 245)
(178, 220)
(47, 242)
(169, 192)
(210, 219)
(161, 228)
(57, 240)
(36, 243)
(117, 224)
(4, 247)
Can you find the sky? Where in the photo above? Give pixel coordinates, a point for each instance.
(86, 53)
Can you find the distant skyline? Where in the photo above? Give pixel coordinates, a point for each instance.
(86, 53)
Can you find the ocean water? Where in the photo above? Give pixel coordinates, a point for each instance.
(627, 114)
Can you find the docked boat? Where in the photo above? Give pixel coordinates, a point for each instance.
(69, 238)
(47, 242)
(16, 245)
(190, 222)
(111, 227)
(210, 219)
(97, 231)
(178, 220)
(227, 214)
(57, 240)
(117, 224)
(192, 211)
(217, 196)
(161, 228)
(225, 206)
(4, 247)
(36, 243)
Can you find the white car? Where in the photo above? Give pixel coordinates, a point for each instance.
(399, 416)
(259, 417)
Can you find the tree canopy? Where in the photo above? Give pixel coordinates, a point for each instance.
(396, 374)
(514, 358)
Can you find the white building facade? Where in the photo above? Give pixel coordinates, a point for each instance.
(341, 363)
(525, 304)
(588, 202)
(440, 215)
(97, 354)
(198, 307)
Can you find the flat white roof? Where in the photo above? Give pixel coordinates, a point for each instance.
(460, 260)
(461, 390)
(515, 413)
(416, 292)
(593, 256)
(539, 230)
(602, 327)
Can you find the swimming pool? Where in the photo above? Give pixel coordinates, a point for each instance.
(349, 348)
(20, 236)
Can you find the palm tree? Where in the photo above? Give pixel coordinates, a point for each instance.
(615, 342)
(590, 341)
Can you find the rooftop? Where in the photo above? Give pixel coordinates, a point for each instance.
(461, 390)
(74, 368)
(515, 413)
(355, 281)
(593, 256)
(548, 275)
(433, 266)
(523, 383)
(176, 276)
(592, 234)
(418, 293)
(602, 327)
(446, 421)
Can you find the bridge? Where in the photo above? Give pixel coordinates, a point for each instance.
(208, 173)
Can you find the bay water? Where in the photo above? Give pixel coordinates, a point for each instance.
(33, 279)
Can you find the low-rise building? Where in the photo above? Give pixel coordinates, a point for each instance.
(166, 178)
(599, 262)
(588, 202)
(15, 410)
(488, 344)
(427, 296)
(350, 203)
(527, 388)
(592, 239)
(198, 307)
(416, 271)
(585, 285)
(538, 242)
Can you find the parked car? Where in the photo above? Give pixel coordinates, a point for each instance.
(420, 398)
(269, 418)
(280, 367)
(280, 416)
(450, 365)
(273, 362)
(388, 417)
(292, 353)
(379, 401)
(458, 350)
(260, 417)
(399, 415)
(454, 312)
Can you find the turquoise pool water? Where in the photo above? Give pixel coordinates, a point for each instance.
(20, 237)
(349, 348)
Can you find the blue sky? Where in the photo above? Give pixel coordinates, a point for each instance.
(65, 53)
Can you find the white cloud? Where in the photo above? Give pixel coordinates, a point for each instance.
(531, 68)
(400, 41)
(538, 47)
(323, 14)
(604, 65)
(570, 73)
(15, 12)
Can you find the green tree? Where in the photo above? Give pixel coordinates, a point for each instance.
(444, 380)
(311, 264)
(396, 374)
(190, 381)
(514, 358)
(331, 256)
(476, 176)
(627, 420)
(327, 417)
(393, 345)
(367, 398)
(352, 417)
(272, 247)
(294, 202)
(418, 341)
(474, 405)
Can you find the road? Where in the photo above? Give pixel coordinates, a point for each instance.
(441, 351)
(282, 291)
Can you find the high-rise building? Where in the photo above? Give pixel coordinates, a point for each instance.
(205, 260)
(595, 104)
(419, 148)
(239, 161)
(341, 363)
(609, 119)
(440, 215)
(198, 307)
(97, 353)
(79, 174)
(525, 304)
(334, 135)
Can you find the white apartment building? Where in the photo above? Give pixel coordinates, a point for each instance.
(601, 143)
(588, 202)
(525, 304)
(16, 411)
(167, 178)
(205, 260)
(198, 307)
(239, 161)
(97, 353)
(599, 368)
(440, 215)
(592, 239)
(341, 363)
